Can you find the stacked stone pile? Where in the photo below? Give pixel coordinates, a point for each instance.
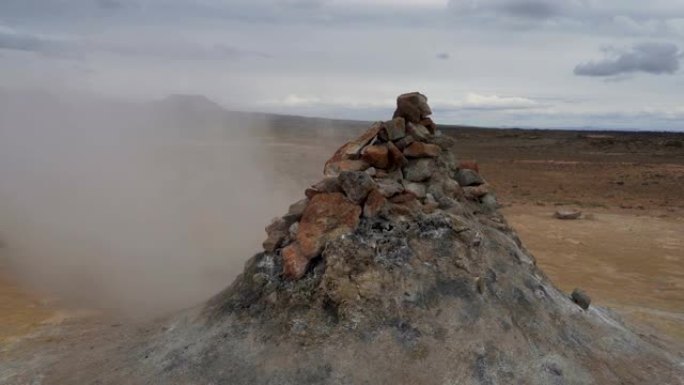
(396, 268)
(398, 168)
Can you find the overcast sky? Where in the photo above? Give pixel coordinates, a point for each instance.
(541, 63)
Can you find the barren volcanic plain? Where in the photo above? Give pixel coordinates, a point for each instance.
(626, 251)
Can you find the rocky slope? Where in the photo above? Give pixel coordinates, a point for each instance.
(396, 268)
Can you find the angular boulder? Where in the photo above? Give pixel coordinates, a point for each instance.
(404, 142)
(419, 170)
(277, 232)
(422, 150)
(295, 263)
(413, 107)
(334, 169)
(476, 192)
(397, 158)
(417, 189)
(389, 187)
(327, 185)
(356, 185)
(395, 129)
(346, 157)
(581, 298)
(374, 204)
(429, 124)
(326, 217)
(417, 131)
(377, 156)
(466, 177)
(295, 211)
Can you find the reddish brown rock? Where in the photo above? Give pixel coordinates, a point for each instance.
(404, 197)
(374, 203)
(377, 156)
(430, 207)
(476, 192)
(327, 216)
(397, 158)
(413, 107)
(294, 262)
(422, 150)
(334, 169)
(327, 185)
(351, 151)
(469, 165)
(410, 208)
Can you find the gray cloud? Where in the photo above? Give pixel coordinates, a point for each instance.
(660, 18)
(522, 9)
(245, 10)
(77, 46)
(110, 4)
(270, 49)
(652, 58)
(532, 9)
(14, 40)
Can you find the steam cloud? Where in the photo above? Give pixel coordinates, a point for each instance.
(143, 208)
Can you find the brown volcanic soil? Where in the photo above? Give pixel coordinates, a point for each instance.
(641, 171)
(629, 253)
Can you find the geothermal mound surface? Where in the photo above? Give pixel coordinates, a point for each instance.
(396, 268)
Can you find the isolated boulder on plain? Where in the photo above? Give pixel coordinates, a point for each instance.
(581, 298)
(567, 214)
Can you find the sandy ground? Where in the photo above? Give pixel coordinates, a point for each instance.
(631, 263)
(627, 252)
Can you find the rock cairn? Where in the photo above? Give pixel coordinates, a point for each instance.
(401, 167)
(397, 269)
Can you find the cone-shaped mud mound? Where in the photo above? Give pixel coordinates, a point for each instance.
(396, 269)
